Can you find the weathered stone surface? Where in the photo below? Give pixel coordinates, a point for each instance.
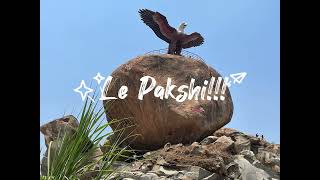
(211, 161)
(274, 148)
(248, 171)
(225, 132)
(149, 176)
(224, 143)
(160, 121)
(52, 130)
(248, 155)
(241, 143)
(208, 140)
(275, 161)
(195, 172)
(266, 157)
(214, 176)
(162, 171)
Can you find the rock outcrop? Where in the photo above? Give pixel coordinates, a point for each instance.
(158, 121)
(217, 157)
(52, 129)
(54, 132)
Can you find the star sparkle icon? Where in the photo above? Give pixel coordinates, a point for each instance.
(86, 90)
(99, 78)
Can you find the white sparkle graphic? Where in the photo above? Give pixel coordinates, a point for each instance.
(99, 78)
(86, 92)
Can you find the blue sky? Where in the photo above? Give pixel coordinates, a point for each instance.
(80, 38)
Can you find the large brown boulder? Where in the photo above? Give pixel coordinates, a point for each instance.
(158, 121)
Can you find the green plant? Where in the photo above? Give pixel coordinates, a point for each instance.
(77, 155)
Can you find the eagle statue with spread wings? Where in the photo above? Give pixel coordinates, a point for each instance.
(176, 38)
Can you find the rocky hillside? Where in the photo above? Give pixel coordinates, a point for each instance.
(227, 154)
(200, 148)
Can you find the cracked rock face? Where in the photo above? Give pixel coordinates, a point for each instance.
(158, 121)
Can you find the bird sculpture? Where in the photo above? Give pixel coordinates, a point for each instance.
(176, 38)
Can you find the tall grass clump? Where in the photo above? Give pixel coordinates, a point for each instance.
(77, 155)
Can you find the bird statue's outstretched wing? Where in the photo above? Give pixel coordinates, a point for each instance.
(158, 23)
(192, 40)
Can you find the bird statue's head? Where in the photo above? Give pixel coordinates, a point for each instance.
(181, 27)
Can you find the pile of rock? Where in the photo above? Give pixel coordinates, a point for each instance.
(227, 154)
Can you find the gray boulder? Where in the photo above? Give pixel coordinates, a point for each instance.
(248, 171)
